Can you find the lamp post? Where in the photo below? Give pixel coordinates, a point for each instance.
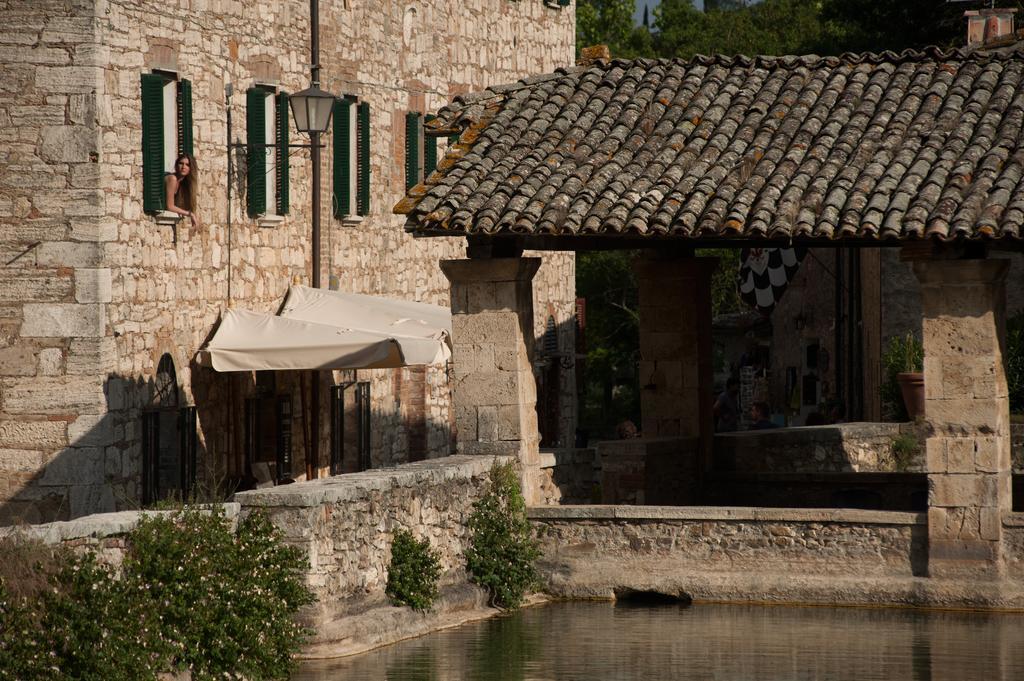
(311, 109)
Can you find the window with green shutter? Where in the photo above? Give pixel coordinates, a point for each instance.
(153, 198)
(167, 132)
(429, 150)
(267, 167)
(351, 157)
(363, 182)
(282, 153)
(185, 142)
(344, 148)
(256, 159)
(413, 150)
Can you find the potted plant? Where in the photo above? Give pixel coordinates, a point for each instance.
(904, 389)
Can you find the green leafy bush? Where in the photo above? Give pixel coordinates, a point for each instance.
(191, 594)
(68, 616)
(413, 572)
(502, 550)
(904, 354)
(227, 600)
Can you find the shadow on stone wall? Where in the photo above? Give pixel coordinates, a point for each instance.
(97, 470)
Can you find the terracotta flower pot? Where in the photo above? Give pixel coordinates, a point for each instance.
(912, 389)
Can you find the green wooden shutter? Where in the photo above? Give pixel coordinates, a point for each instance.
(153, 196)
(342, 157)
(363, 139)
(282, 153)
(429, 150)
(412, 150)
(185, 145)
(256, 171)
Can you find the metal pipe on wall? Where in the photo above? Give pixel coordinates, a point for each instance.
(313, 462)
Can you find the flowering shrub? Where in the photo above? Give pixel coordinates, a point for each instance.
(191, 595)
(413, 572)
(502, 550)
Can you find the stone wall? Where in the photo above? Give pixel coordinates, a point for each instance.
(604, 550)
(345, 524)
(93, 293)
(103, 534)
(54, 283)
(845, 447)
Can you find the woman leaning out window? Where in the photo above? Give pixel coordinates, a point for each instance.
(182, 188)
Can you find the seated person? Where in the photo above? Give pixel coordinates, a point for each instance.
(182, 188)
(760, 416)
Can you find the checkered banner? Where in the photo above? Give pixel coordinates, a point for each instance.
(765, 273)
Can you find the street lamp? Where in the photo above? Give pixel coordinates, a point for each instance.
(311, 109)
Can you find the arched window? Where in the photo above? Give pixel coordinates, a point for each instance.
(166, 384)
(168, 440)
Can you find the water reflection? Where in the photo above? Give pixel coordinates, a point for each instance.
(602, 641)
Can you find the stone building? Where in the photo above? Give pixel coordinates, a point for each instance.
(104, 299)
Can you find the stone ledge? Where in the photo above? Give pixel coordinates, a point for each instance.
(1013, 520)
(723, 513)
(269, 220)
(98, 525)
(836, 431)
(352, 486)
(167, 218)
(616, 577)
(551, 458)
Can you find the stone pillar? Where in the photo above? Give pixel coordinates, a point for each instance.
(493, 388)
(676, 373)
(967, 412)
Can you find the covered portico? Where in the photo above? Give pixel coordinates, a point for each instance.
(920, 151)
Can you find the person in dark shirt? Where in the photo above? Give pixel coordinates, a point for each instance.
(727, 408)
(760, 414)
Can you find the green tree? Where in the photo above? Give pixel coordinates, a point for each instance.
(611, 392)
(604, 22)
(769, 27)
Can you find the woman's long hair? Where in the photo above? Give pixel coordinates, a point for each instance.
(188, 185)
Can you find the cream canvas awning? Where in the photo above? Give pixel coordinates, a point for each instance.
(320, 329)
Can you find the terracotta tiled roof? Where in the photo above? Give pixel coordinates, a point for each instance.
(872, 146)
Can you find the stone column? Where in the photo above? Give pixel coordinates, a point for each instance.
(493, 388)
(967, 412)
(676, 374)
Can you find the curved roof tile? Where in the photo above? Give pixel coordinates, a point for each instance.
(860, 146)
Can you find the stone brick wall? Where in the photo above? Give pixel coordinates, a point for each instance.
(93, 292)
(846, 447)
(54, 283)
(601, 550)
(345, 525)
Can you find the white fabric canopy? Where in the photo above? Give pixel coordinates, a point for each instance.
(320, 329)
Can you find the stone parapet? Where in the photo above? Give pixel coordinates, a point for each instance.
(344, 525)
(604, 550)
(841, 447)
(727, 514)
